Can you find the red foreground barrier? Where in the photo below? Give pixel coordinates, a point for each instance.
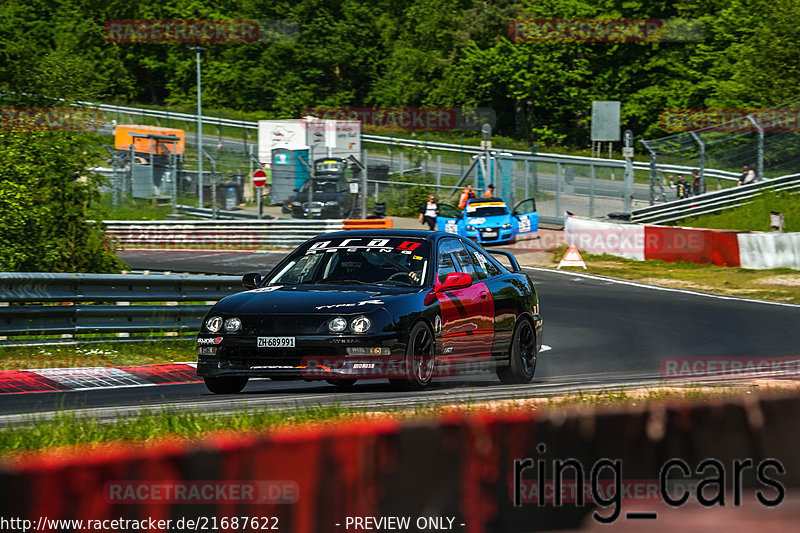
(459, 473)
(699, 246)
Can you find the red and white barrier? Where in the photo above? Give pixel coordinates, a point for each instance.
(701, 246)
(624, 240)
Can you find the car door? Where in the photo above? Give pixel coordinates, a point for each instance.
(467, 313)
(448, 218)
(505, 292)
(526, 216)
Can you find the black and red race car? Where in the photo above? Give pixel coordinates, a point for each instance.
(397, 304)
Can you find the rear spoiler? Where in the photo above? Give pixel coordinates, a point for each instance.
(513, 260)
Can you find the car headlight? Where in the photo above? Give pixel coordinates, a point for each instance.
(232, 325)
(470, 228)
(337, 325)
(506, 226)
(360, 324)
(214, 324)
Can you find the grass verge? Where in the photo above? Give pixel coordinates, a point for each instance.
(754, 216)
(69, 429)
(779, 284)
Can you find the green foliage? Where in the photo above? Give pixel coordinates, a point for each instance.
(47, 200)
(432, 53)
(753, 216)
(403, 201)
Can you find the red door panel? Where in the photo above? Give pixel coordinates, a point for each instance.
(467, 322)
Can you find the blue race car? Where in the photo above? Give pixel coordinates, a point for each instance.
(489, 220)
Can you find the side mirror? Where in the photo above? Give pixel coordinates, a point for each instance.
(251, 280)
(296, 190)
(455, 280)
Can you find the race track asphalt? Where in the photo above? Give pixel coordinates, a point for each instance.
(601, 333)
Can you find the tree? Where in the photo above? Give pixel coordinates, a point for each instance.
(49, 219)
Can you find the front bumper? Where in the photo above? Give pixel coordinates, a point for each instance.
(493, 236)
(314, 357)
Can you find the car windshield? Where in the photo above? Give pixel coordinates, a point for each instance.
(321, 186)
(357, 261)
(487, 209)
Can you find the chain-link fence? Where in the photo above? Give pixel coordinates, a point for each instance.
(730, 141)
(401, 172)
(582, 186)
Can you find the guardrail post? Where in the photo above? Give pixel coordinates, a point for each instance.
(558, 188)
(591, 190)
(438, 170)
(364, 187)
(653, 174)
(401, 163)
(702, 161)
(760, 163)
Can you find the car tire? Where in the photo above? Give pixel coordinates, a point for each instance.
(420, 360)
(522, 356)
(227, 385)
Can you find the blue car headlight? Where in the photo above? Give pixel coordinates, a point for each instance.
(470, 228)
(506, 226)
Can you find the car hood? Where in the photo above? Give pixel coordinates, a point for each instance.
(293, 299)
(497, 220)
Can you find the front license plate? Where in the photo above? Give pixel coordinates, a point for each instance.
(490, 234)
(276, 342)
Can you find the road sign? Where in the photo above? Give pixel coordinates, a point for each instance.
(259, 178)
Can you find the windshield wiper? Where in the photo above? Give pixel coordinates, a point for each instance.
(345, 282)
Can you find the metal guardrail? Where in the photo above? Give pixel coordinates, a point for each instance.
(213, 234)
(37, 304)
(713, 202)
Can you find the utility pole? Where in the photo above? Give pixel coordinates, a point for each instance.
(198, 50)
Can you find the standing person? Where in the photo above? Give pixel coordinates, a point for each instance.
(748, 175)
(682, 187)
(489, 191)
(671, 182)
(428, 212)
(466, 194)
(697, 186)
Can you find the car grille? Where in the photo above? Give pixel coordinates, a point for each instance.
(490, 238)
(283, 325)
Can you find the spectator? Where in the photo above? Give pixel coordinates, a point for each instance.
(748, 175)
(466, 194)
(698, 187)
(671, 181)
(489, 191)
(428, 212)
(682, 187)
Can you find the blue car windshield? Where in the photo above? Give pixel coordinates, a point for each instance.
(487, 210)
(358, 261)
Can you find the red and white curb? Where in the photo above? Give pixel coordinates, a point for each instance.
(93, 378)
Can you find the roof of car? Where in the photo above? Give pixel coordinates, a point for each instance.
(408, 233)
(486, 200)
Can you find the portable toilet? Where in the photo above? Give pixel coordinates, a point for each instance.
(289, 170)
